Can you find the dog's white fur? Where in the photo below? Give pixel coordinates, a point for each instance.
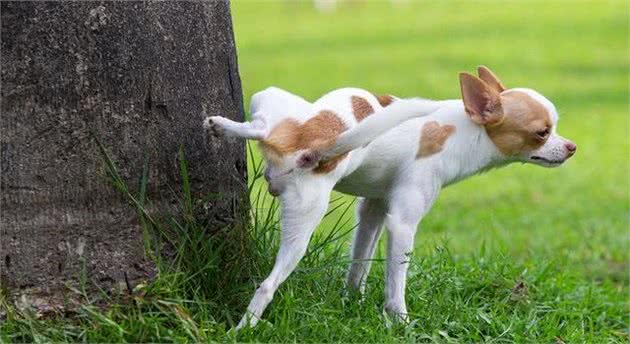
(396, 187)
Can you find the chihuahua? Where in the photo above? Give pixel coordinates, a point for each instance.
(395, 154)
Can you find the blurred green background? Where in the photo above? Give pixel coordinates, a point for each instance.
(575, 53)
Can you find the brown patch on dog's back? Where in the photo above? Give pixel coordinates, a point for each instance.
(523, 117)
(432, 138)
(318, 132)
(384, 100)
(329, 165)
(361, 108)
(321, 129)
(282, 140)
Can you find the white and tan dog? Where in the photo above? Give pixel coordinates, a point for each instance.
(396, 154)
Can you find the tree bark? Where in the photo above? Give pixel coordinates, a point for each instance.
(142, 76)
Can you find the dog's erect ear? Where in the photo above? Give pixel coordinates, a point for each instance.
(308, 160)
(481, 101)
(486, 75)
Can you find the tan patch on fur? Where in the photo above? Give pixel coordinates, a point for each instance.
(432, 138)
(361, 108)
(524, 116)
(318, 132)
(329, 165)
(384, 100)
(282, 140)
(321, 130)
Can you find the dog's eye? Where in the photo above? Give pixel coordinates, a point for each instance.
(542, 133)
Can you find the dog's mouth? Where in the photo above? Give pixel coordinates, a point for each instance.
(546, 161)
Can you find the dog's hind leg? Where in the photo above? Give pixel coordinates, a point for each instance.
(301, 213)
(254, 130)
(371, 215)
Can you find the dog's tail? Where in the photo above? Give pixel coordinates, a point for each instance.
(378, 123)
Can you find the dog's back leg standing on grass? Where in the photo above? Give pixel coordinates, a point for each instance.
(300, 216)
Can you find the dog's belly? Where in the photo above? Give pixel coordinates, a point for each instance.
(379, 165)
(367, 181)
(356, 187)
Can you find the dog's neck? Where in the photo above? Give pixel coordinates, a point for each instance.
(471, 152)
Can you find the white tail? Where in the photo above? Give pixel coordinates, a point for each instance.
(380, 122)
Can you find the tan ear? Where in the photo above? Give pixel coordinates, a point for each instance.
(481, 101)
(486, 75)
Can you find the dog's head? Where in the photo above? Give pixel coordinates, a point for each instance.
(520, 122)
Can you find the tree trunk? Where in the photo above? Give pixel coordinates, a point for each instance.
(141, 76)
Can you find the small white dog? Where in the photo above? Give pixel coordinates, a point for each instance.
(396, 154)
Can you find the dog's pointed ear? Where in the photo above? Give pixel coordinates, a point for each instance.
(482, 103)
(489, 78)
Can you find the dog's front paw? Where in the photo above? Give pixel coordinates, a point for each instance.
(214, 125)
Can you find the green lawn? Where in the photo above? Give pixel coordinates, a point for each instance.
(521, 254)
(576, 55)
(572, 220)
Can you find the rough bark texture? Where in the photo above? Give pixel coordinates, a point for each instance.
(141, 76)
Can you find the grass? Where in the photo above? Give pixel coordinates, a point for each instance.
(521, 254)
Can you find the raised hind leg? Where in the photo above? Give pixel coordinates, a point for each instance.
(267, 108)
(254, 130)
